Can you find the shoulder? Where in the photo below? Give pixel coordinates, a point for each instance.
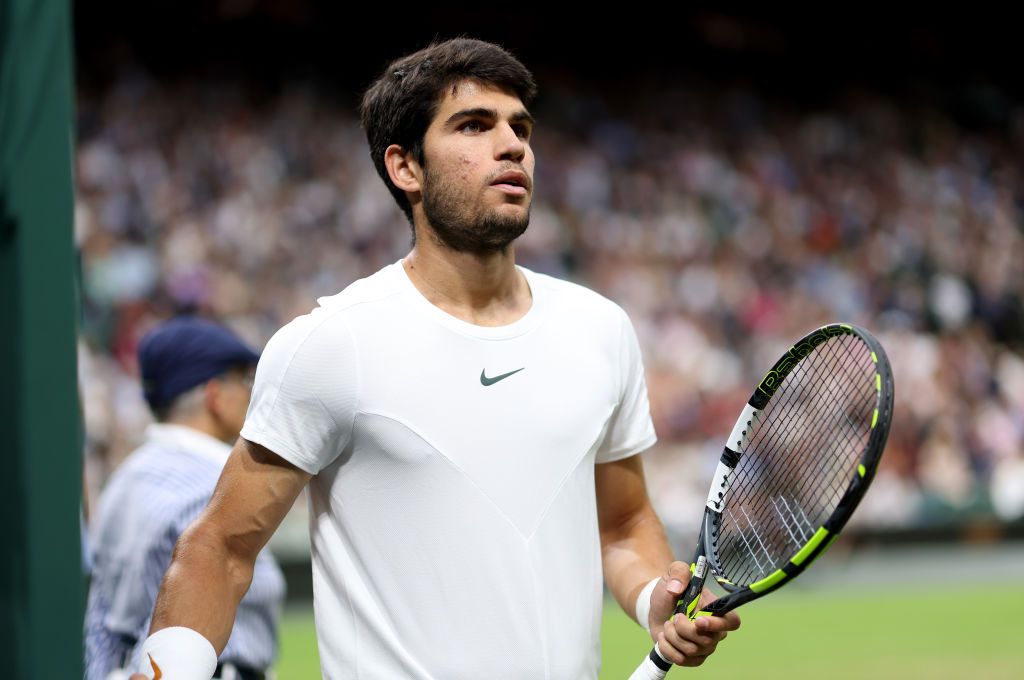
(154, 485)
(329, 323)
(577, 301)
(163, 468)
(379, 286)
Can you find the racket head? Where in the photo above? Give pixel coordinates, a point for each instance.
(800, 459)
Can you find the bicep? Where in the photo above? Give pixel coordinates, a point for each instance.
(256, 490)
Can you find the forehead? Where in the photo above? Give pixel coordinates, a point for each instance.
(472, 94)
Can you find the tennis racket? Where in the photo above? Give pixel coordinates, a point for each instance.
(802, 454)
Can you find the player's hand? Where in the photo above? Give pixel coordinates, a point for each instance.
(681, 641)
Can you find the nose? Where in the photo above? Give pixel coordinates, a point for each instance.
(509, 145)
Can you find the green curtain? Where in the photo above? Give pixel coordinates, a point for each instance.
(41, 579)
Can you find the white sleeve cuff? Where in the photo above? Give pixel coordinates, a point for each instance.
(643, 604)
(177, 653)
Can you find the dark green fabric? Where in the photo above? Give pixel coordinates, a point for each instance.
(41, 581)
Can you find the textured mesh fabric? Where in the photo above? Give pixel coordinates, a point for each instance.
(453, 514)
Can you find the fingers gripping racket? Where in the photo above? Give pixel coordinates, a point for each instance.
(797, 463)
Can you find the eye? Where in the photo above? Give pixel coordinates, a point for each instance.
(522, 131)
(471, 126)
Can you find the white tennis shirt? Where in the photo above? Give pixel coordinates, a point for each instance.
(453, 519)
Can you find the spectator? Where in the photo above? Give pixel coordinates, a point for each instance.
(197, 378)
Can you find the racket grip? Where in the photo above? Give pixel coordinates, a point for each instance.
(690, 599)
(649, 669)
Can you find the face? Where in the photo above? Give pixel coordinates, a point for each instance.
(233, 400)
(477, 180)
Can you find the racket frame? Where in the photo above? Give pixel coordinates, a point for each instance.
(705, 560)
(824, 535)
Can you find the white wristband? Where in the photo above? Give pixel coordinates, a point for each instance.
(178, 653)
(643, 604)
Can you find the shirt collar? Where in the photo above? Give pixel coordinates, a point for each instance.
(188, 439)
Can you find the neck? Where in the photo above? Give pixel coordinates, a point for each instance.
(205, 423)
(483, 289)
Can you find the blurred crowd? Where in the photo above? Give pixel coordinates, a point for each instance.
(725, 223)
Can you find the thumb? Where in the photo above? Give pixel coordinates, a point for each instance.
(666, 593)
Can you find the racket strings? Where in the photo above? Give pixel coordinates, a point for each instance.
(787, 512)
(800, 460)
(840, 383)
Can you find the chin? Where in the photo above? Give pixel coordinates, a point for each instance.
(517, 211)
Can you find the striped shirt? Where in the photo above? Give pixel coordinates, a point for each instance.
(148, 502)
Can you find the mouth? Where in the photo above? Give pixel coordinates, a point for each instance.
(513, 183)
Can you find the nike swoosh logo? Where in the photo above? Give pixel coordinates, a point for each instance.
(156, 669)
(487, 382)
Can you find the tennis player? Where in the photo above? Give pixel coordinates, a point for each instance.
(469, 431)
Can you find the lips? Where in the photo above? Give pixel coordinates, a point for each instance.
(512, 180)
(512, 183)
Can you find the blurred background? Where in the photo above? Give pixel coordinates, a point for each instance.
(732, 179)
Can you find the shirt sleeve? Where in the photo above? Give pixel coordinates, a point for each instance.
(631, 429)
(304, 398)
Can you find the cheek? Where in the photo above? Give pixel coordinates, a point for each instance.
(467, 166)
(243, 403)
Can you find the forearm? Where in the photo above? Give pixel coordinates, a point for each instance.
(213, 562)
(633, 553)
(203, 586)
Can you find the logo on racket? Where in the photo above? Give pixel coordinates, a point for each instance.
(783, 366)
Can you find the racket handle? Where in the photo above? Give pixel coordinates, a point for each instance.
(690, 599)
(651, 670)
(656, 666)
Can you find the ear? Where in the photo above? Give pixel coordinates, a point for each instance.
(403, 169)
(211, 396)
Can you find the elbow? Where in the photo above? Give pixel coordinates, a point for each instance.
(626, 525)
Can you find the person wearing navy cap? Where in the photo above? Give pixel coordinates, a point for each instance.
(197, 379)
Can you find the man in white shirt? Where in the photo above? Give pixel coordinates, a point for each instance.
(469, 429)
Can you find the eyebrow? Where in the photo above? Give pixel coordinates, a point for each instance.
(481, 112)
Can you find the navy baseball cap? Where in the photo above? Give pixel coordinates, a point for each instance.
(185, 352)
